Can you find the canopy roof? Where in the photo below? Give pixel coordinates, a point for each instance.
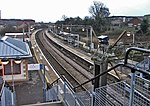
(12, 48)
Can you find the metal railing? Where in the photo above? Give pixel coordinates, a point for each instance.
(6, 95)
(118, 94)
(62, 90)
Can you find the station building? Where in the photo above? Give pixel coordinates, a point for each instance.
(12, 51)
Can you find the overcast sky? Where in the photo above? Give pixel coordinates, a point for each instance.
(53, 10)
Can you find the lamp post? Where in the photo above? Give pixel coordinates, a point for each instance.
(5, 61)
(133, 41)
(42, 68)
(133, 36)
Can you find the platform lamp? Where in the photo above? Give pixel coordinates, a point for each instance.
(133, 36)
(5, 61)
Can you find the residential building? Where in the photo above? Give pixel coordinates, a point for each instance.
(135, 22)
(15, 22)
(130, 21)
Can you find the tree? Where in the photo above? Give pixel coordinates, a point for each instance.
(88, 20)
(64, 17)
(99, 10)
(144, 26)
(99, 13)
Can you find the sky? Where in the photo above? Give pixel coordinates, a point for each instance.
(53, 10)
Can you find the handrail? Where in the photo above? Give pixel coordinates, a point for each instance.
(5, 84)
(65, 79)
(127, 55)
(61, 76)
(50, 85)
(136, 49)
(2, 89)
(98, 75)
(136, 69)
(125, 64)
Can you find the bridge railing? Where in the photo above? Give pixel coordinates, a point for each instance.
(126, 94)
(118, 94)
(62, 90)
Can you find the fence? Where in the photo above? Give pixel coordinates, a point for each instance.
(117, 94)
(136, 92)
(6, 96)
(62, 91)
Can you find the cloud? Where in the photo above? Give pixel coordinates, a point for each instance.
(129, 7)
(52, 10)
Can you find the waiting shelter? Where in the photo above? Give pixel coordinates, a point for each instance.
(14, 56)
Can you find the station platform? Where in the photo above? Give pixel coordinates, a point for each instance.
(84, 55)
(30, 91)
(51, 74)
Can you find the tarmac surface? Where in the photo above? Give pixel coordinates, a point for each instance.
(31, 91)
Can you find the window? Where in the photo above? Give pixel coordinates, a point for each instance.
(16, 68)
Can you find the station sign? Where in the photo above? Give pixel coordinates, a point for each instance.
(32, 67)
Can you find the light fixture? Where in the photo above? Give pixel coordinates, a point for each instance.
(83, 29)
(17, 60)
(67, 28)
(4, 61)
(128, 33)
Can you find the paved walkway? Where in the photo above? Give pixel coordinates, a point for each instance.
(30, 92)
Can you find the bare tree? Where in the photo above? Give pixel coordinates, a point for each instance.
(99, 10)
(99, 13)
(64, 17)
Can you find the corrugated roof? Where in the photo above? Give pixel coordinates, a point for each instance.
(10, 48)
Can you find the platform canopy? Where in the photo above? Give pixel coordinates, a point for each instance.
(11, 48)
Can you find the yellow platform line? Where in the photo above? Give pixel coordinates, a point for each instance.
(47, 80)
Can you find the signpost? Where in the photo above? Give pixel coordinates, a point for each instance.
(40, 67)
(32, 67)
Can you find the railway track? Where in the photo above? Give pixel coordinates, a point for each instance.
(66, 63)
(85, 64)
(79, 63)
(61, 63)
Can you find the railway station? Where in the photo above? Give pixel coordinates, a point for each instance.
(94, 57)
(65, 75)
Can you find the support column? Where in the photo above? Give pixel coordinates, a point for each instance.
(100, 67)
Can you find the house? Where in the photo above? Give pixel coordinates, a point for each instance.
(15, 22)
(118, 21)
(135, 22)
(13, 50)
